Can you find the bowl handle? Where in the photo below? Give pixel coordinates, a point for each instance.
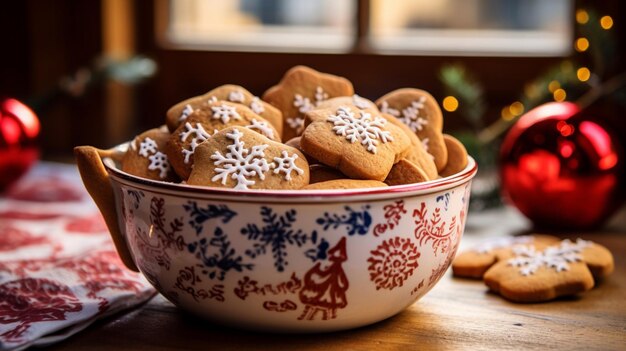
(96, 180)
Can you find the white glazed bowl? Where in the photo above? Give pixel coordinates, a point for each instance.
(291, 261)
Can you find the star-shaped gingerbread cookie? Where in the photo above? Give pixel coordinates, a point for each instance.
(534, 275)
(299, 91)
(421, 113)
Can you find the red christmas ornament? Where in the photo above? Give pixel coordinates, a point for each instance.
(19, 128)
(561, 168)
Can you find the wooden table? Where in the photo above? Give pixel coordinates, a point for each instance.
(456, 314)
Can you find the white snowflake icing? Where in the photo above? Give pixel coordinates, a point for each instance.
(147, 147)
(302, 103)
(360, 102)
(498, 243)
(198, 135)
(159, 161)
(225, 113)
(384, 108)
(263, 128)
(320, 95)
(364, 129)
(240, 163)
(286, 164)
(425, 142)
(530, 260)
(212, 100)
(236, 96)
(411, 115)
(257, 106)
(296, 123)
(186, 112)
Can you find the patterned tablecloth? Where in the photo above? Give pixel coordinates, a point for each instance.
(59, 271)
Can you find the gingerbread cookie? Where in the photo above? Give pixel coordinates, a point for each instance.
(405, 172)
(239, 158)
(345, 184)
(178, 113)
(473, 263)
(457, 156)
(533, 275)
(421, 113)
(299, 91)
(360, 143)
(146, 157)
(417, 153)
(202, 123)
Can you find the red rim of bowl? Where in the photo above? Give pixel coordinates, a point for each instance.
(436, 185)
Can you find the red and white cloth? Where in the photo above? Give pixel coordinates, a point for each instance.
(59, 271)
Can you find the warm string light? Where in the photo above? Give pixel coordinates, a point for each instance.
(511, 111)
(505, 114)
(582, 44)
(583, 74)
(450, 103)
(553, 86)
(559, 95)
(606, 22)
(516, 108)
(582, 16)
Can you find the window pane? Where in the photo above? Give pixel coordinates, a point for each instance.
(276, 25)
(498, 27)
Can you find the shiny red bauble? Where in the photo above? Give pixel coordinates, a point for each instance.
(562, 168)
(19, 128)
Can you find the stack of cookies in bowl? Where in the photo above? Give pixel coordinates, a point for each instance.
(310, 209)
(308, 132)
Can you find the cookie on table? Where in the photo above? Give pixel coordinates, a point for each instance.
(345, 184)
(535, 275)
(299, 91)
(457, 156)
(239, 158)
(421, 113)
(202, 123)
(228, 92)
(473, 263)
(146, 157)
(405, 172)
(360, 143)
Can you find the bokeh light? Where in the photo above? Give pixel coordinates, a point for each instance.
(583, 74)
(582, 44)
(606, 22)
(559, 95)
(450, 103)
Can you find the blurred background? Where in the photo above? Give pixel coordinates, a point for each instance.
(98, 72)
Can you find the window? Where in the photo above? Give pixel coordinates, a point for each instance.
(262, 25)
(440, 27)
(474, 27)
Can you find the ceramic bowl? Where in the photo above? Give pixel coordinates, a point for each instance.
(283, 261)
